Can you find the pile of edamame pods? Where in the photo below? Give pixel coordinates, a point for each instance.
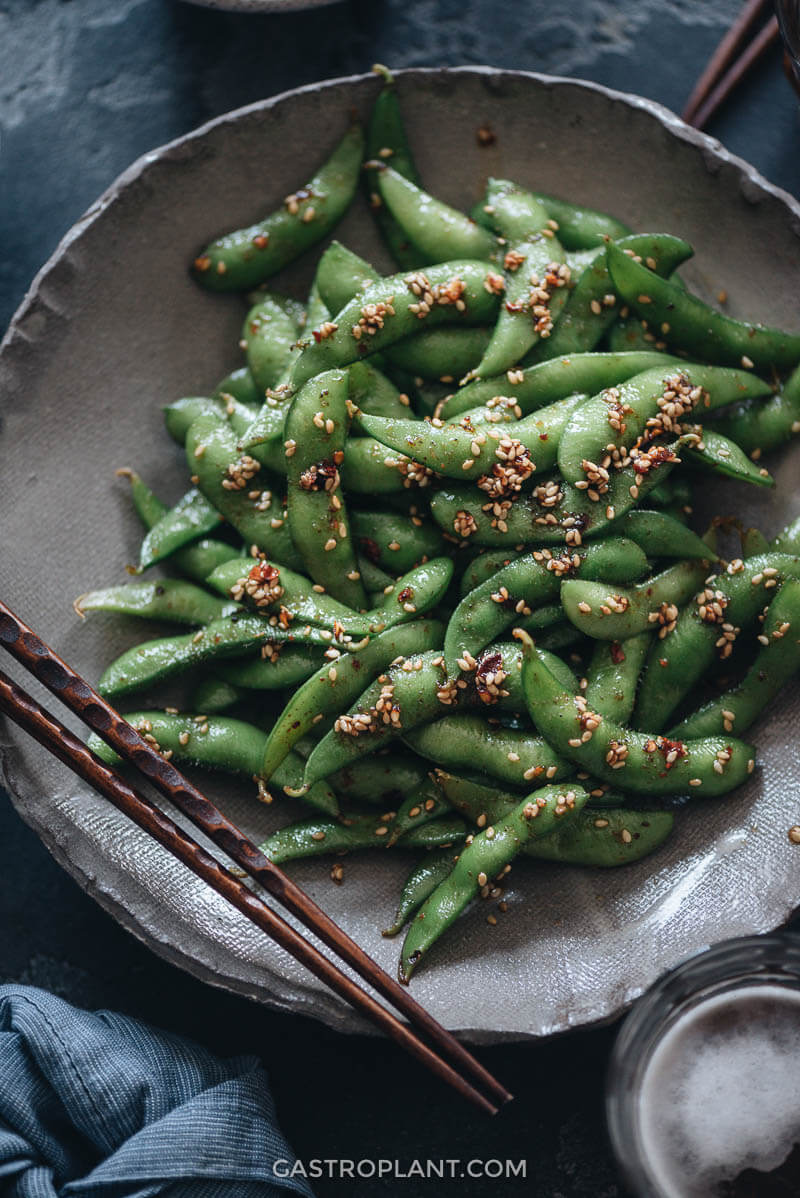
(435, 548)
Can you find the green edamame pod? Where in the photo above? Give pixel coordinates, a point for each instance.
(394, 307)
(535, 280)
(393, 541)
(660, 535)
(239, 385)
(276, 590)
(729, 603)
(613, 674)
(216, 742)
(231, 636)
(318, 837)
(776, 662)
(337, 684)
(718, 453)
(181, 414)
(191, 517)
(630, 760)
(650, 405)
(269, 332)
(474, 450)
(444, 354)
(420, 883)
(246, 257)
(380, 780)
(288, 665)
(695, 327)
(387, 142)
(373, 392)
(615, 614)
(214, 695)
(410, 692)
(196, 560)
(532, 387)
(581, 228)
(483, 567)
(235, 484)
(424, 804)
(316, 428)
(341, 275)
(484, 858)
(591, 307)
(555, 511)
(511, 755)
(167, 599)
(527, 583)
(760, 427)
(605, 838)
(433, 227)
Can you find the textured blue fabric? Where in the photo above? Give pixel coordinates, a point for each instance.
(103, 1106)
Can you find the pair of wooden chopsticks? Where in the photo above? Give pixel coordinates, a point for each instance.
(743, 45)
(473, 1081)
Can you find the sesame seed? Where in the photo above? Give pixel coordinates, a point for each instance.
(794, 834)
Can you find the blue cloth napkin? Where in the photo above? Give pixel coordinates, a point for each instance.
(103, 1106)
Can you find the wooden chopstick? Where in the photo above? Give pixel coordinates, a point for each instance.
(62, 681)
(730, 62)
(50, 732)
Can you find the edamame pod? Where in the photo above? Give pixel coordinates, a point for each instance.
(486, 856)
(631, 415)
(527, 583)
(433, 227)
(316, 428)
(729, 603)
(394, 307)
(639, 761)
(532, 387)
(337, 684)
(511, 755)
(777, 660)
(191, 517)
(166, 599)
(695, 327)
(231, 636)
(236, 486)
(246, 257)
(609, 614)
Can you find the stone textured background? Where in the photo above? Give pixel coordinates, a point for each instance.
(86, 86)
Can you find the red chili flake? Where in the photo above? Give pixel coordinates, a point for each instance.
(202, 263)
(667, 746)
(370, 547)
(543, 436)
(315, 333)
(338, 456)
(261, 241)
(662, 661)
(513, 307)
(617, 652)
(326, 469)
(264, 572)
(406, 595)
(490, 663)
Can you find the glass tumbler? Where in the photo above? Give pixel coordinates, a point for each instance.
(703, 1095)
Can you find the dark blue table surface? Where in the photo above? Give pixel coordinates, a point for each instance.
(86, 87)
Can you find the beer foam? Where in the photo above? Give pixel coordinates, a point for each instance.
(721, 1092)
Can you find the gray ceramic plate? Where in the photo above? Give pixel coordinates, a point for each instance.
(113, 327)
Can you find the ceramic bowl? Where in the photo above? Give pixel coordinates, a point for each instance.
(113, 327)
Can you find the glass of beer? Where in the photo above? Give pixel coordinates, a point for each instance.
(703, 1097)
